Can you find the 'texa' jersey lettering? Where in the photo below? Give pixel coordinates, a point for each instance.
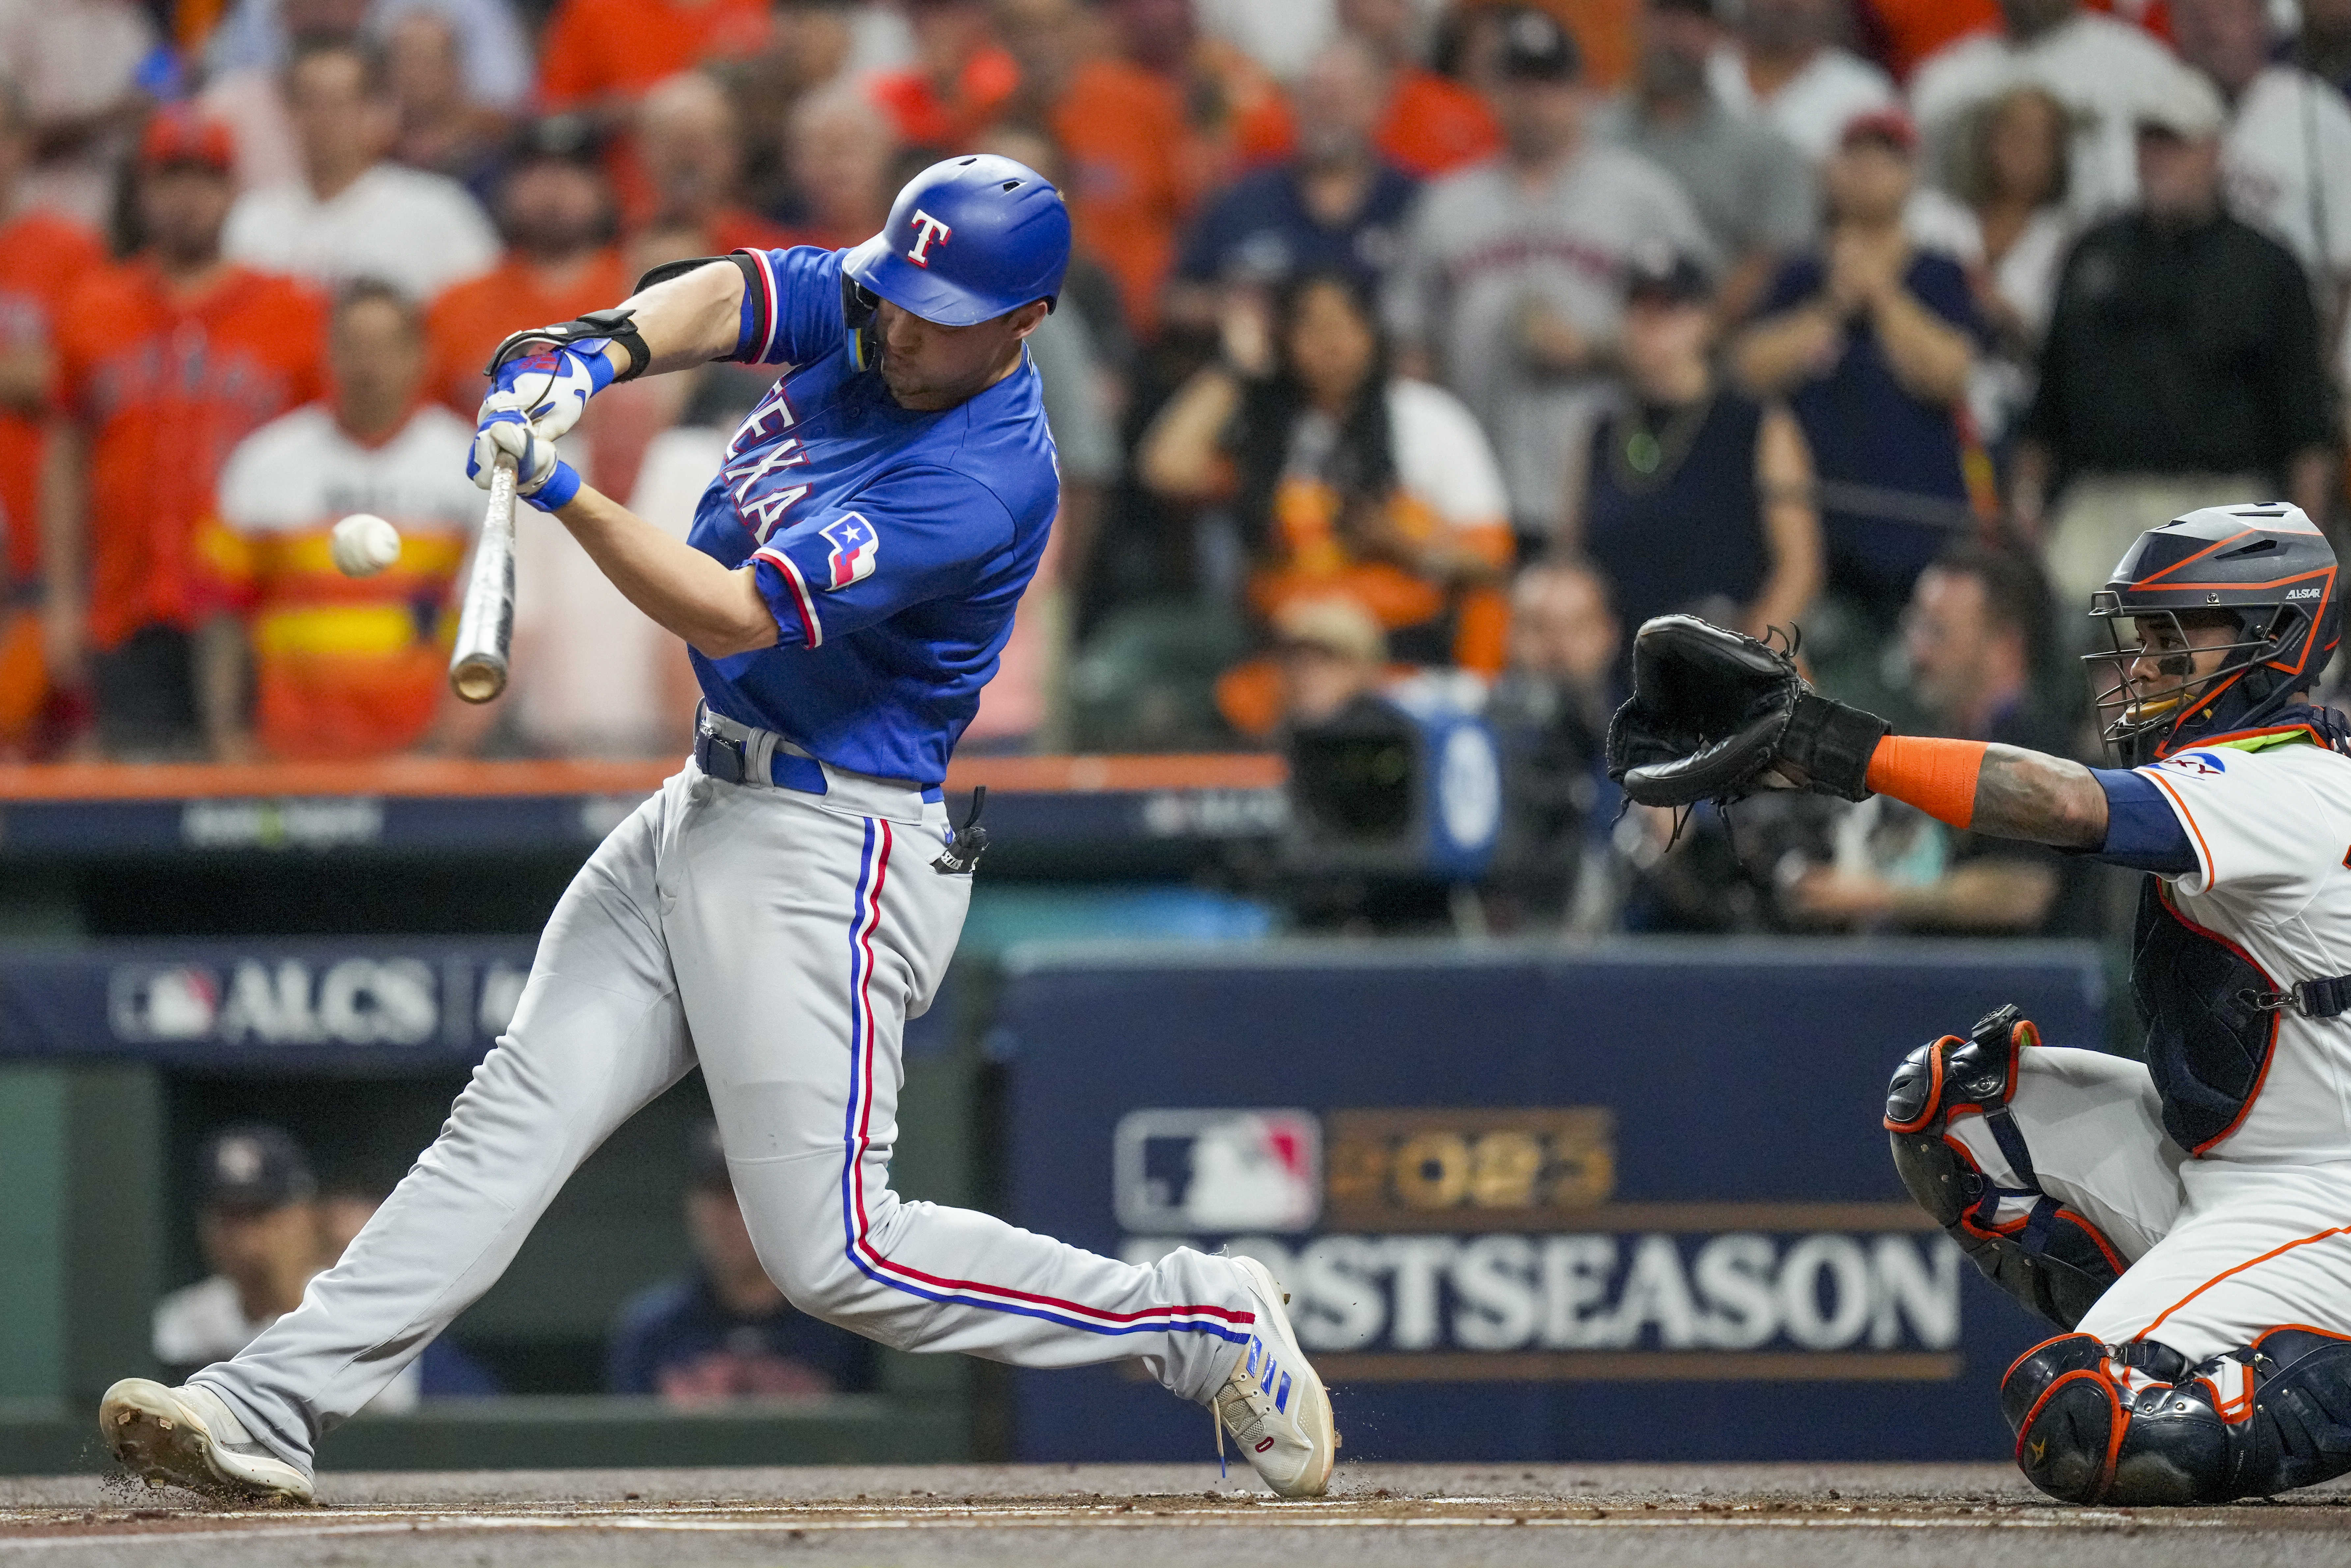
(892, 544)
(759, 460)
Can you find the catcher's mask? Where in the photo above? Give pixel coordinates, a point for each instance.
(2263, 572)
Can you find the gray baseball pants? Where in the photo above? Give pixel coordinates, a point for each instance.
(780, 939)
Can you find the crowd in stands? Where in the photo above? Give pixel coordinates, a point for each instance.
(1402, 336)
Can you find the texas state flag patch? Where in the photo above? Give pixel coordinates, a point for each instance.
(854, 546)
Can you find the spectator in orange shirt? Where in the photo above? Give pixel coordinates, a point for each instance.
(339, 667)
(841, 149)
(556, 210)
(1236, 109)
(960, 77)
(598, 57)
(1904, 32)
(165, 362)
(691, 141)
(602, 56)
(1431, 126)
(42, 255)
(1123, 139)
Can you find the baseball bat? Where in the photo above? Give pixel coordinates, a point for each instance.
(477, 664)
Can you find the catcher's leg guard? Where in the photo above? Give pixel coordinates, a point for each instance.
(2049, 1258)
(2135, 1423)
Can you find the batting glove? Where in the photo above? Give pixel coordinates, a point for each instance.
(542, 477)
(552, 385)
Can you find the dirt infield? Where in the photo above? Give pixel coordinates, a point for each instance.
(1043, 1516)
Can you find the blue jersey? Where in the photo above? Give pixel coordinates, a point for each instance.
(891, 545)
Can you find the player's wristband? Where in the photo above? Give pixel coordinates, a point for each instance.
(1939, 776)
(562, 487)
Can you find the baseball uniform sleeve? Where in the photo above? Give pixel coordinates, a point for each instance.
(2248, 820)
(791, 311)
(913, 535)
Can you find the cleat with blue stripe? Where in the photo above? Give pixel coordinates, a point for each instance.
(1273, 1404)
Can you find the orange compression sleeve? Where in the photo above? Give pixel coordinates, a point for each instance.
(1939, 776)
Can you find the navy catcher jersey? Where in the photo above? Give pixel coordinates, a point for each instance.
(891, 545)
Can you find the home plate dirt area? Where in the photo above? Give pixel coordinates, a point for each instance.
(1129, 1516)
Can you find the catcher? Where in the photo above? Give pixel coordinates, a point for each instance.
(2187, 1223)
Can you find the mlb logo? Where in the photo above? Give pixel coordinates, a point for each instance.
(2195, 764)
(147, 1003)
(1221, 1171)
(854, 546)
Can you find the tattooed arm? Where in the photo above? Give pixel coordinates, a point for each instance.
(2030, 795)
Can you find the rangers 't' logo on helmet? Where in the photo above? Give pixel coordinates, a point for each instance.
(928, 230)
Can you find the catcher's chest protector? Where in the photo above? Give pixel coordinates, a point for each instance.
(2207, 1044)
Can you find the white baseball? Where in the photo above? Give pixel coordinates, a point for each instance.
(364, 544)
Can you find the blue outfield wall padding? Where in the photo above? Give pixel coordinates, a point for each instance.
(1631, 1202)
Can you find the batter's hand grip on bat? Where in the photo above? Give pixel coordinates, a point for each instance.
(477, 664)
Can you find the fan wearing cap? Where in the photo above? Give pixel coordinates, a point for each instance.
(257, 1227)
(2138, 410)
(1871, 342)
(1694, 494)
(722, 1329)
(1512, 284)
(780, 908)
(165, 361)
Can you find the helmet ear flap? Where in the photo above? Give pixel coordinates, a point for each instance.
(859, 307)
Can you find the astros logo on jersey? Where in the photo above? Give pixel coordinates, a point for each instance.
(927, 231)
(854, 546)
(2200, 764)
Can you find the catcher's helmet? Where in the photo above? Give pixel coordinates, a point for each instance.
(2268, 573)
(968, 240)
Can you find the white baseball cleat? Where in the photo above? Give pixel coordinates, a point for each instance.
(1273, 1403)
(187, 1436)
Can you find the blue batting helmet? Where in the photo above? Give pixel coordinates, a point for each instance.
(968, 240)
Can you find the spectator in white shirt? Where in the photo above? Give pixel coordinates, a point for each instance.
(2102, 70)
(352, 214)
(257, 1225)
(1786, 70)
(2285, 157)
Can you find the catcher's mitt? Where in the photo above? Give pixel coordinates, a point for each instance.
(1712, 709)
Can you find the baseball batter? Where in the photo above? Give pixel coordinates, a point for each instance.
(780, 908)
(2186, 1221)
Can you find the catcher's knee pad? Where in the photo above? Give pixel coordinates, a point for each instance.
(2137, 1424)
(2049, 1258)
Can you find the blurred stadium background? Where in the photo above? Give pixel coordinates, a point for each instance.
(1417, 351)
